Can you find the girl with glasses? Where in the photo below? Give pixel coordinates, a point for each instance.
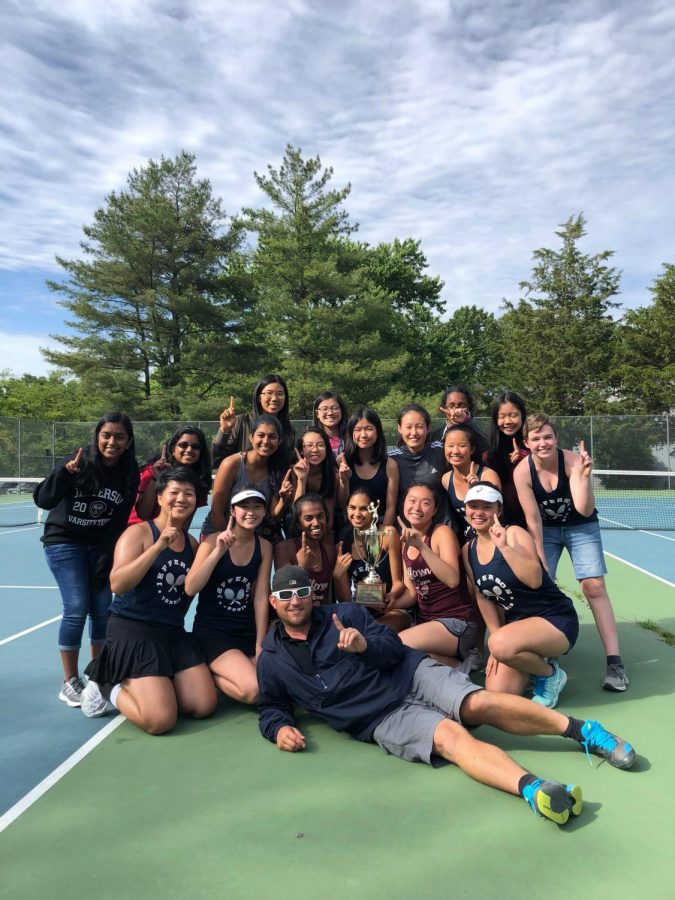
(315, 470)
(330, 413)
(458, 408)
(270, 396)
(186, 447)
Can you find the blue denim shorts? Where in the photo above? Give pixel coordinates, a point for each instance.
(584, 545)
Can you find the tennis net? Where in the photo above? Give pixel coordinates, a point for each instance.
(635, 500)
(16, 502)
(624, 500)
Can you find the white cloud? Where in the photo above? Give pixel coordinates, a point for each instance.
(477, 128)
(21, 353)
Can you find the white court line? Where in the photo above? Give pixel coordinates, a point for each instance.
(29, 799)
(19, 634)
(640, 530)
(28, 587)
(644, 571)
(17, 530)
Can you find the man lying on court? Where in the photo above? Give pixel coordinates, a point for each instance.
(340, 665)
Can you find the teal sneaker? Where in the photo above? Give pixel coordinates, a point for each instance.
(554, 801)
(596, 739)
(547, 688)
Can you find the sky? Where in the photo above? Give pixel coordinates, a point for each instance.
(477, 128)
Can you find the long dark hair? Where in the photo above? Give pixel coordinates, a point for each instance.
(287, 431)
(470, 434)
(201, 468)
(344, 415)
(328, 466)
(413, 407)
(501, 446)
(276, 464)
(90, 478)
(380, 448)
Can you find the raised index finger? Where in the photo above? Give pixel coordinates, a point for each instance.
(230, 524)
(515, 444)
(338, 624)
(582, 448)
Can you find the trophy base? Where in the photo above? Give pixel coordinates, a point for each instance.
(371, 594)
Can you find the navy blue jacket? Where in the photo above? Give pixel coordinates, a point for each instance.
(352, 692)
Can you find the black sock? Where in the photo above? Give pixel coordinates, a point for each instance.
(614, 661)
(524, 781)
(573, 729)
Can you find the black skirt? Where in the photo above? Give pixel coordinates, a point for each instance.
(135, 649)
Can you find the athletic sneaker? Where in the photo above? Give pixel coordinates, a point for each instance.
(547, 688)
(554, 801)
(596, 739)
(71, 691)
(616, 678)
(94, 703)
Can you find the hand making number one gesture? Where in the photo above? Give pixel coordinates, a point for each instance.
(584, 464)
(472, 478)
(227, 537)
(162, 464)
(349, 639)
(498, 534)
(227, 417)
(73, 466)
(170, 532)
(514, 455)
(409, 536)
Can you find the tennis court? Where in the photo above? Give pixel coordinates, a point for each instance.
(214, 810)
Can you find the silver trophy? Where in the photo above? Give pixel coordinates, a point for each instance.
(369, 543)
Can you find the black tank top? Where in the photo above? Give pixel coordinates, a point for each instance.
(375, 487)
(160, 596)
(225, 602)
(556, 506)
(458, 510)
(497, 581)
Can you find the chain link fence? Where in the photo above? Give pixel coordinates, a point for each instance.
(30, 448)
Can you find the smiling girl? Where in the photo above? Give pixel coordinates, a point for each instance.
(89, 495)
(309, 546)
(231, 573)
(370, 467)
(507, 449)
(529, 619)
(416, 458)
(446, 628)
(330, 414)
(315, 469)
(460, 448)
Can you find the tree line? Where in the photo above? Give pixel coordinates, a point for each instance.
(174, 305)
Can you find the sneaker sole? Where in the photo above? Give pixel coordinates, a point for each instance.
(560, 816)
(614, 688)
(73, 704)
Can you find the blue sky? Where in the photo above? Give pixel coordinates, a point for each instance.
(476, 127)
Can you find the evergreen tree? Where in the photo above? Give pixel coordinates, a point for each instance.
(159, 301)
(558, 341)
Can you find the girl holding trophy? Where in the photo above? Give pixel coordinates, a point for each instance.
(371, 549)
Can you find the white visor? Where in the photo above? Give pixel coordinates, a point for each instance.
(483, 492)
(246, 495)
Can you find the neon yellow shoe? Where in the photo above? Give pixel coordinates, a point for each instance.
(554, 801)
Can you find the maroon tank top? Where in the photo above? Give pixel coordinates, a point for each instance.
(321, 579)
(435, 600)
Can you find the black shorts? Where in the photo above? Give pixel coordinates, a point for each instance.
(213, 645)
(135, 649)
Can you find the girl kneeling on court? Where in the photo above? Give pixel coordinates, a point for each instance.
(446, 627)
(149, 668)
(231, 572)
(529, 619)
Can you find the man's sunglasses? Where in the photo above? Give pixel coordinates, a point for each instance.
(287, 593)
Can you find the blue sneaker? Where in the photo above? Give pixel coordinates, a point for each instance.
(547, 688)
(554, 801)
(596, 739)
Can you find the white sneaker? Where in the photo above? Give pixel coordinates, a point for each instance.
(93, 702)
(71, 691)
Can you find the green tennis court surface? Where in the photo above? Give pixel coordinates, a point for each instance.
(213, 810)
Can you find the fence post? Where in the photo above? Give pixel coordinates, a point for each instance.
(18, 447)
(53, 444)
(592, 455)
(668, 462)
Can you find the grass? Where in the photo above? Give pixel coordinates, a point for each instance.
(666, 636)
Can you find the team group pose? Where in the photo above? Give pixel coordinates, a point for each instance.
(470, 533)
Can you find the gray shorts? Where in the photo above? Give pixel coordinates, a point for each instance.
(464, 631)
(436, 693)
